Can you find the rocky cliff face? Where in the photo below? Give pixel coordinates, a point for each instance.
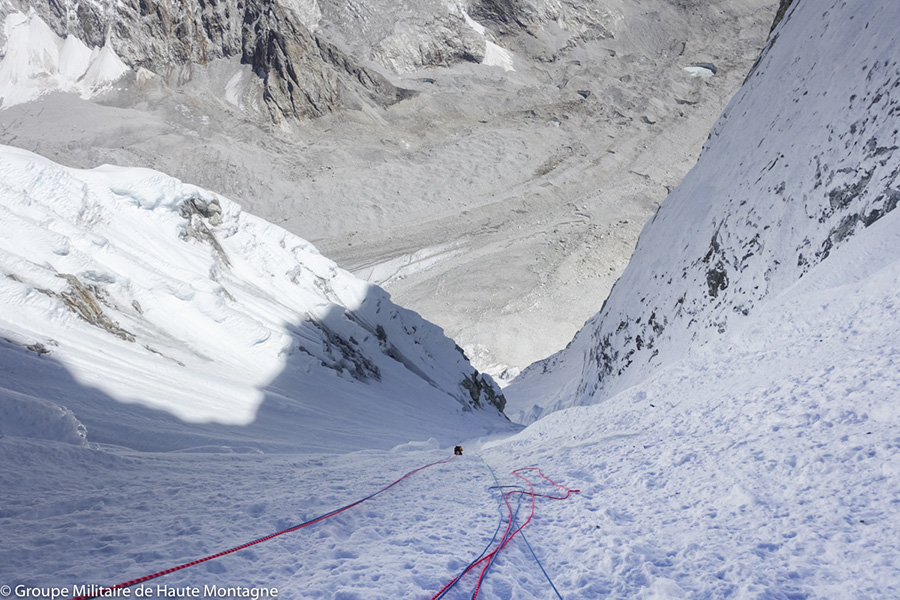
(315, 57)
(403, 36)
(303, 75)
(538, 18)
(804, 157)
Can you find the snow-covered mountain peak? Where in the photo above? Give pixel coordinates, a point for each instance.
(168, 296)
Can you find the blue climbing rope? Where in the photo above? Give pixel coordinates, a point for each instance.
(536, 559)
(486, 548)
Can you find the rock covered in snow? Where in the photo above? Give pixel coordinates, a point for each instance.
(803, 158)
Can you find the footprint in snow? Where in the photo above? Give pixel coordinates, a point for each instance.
(256, 510)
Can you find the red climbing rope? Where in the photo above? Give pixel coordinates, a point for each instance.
(106, 591)
(488, 558)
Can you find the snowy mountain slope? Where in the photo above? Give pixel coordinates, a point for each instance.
(170, 299)
(108, 516)
(759, 463)
(36, 60)
(804, 158)
(762, 464)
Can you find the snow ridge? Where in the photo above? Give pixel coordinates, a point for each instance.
(168, 296)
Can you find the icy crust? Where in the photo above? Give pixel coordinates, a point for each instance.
(803, 159)
(167, 295)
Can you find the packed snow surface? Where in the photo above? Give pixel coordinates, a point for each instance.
(763, 465)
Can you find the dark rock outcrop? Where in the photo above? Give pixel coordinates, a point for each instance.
(85, 301)
(575, 21)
